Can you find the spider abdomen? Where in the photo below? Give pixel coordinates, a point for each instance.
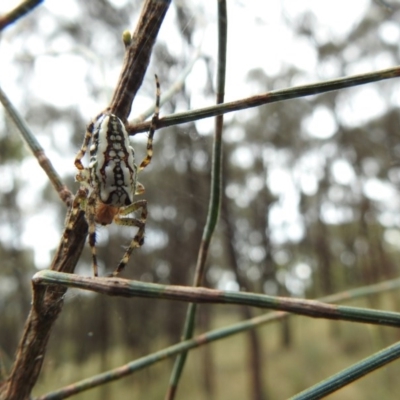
(109, 183)
(113, 163)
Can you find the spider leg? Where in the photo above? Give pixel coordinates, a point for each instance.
(138, 239)
(90, 217)
(77, 205)
(82, 151)
(153, 127)
(139, 188)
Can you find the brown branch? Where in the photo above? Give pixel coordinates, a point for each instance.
(18, 12)
(137, 57)
(48, 302)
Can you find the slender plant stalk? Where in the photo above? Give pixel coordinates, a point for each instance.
(153, 358)
(271, 97)
(24, 8)
(204, 339)
(351, 374)
(128, 288)
(215, 200)
(37, 149)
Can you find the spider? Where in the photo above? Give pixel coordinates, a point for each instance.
(109, 183)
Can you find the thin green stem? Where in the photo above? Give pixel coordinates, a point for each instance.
(351, 374)
(215, 199)
(127, 288)
(271, 97)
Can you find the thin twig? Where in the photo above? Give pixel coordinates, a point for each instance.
(137, 57)
(37, 149)
(18, 12)
(215, 199)
(129, 288)
(351, 374)
(270, 97)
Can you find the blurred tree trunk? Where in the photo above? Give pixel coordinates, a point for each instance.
(255, 360)
(104, 334)
(208, 370)
(261, 222)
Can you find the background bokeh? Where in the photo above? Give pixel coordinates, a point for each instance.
(311, 202)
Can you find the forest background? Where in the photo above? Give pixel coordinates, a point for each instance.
(310, 198)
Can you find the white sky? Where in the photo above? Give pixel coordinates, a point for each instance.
(274, 48)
